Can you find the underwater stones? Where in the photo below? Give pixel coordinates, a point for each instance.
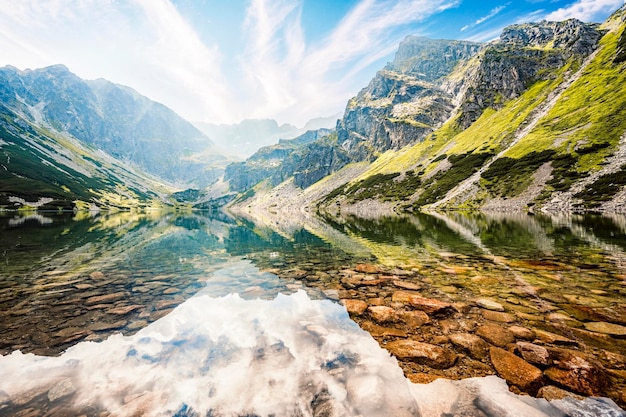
(106, 298)
(407, 285)
(96, 275)
(422, 353)
(551, 393)
(498, 316)
(534, 354)
(414, 319)
(123, 310)
(606, 328)
(428, 305)
(357, 307)
(523, 333)
(61, 389)
(495, 334)
(382, 314)
(553, 338)
(516, 370)
(581, 375)
(380, 331)
(477, 347)
(489, 304)
(367, 268)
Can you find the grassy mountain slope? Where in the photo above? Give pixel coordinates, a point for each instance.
(44, 169)
(555, 146)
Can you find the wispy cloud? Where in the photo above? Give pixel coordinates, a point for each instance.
(145, 44)
(585, 10)
(287, 70)
(494, 12)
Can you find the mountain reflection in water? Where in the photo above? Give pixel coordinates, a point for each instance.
(133, 313)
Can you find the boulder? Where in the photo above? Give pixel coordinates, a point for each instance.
(516, 370)
(423, 353)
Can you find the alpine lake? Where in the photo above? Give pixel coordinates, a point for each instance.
(204, 314)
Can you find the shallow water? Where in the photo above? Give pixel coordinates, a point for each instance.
(136, 313)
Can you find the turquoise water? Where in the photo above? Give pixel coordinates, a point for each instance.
(98, 304)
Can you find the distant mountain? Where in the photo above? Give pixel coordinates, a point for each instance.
(533, 121)
(67, 143)
(244, 139)
(115, 119)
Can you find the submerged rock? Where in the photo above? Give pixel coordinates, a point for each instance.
(423, 353)
(516, 370)
(477, 347)
(535, 354)
(495, 334)
(606, 328)
(357, 307)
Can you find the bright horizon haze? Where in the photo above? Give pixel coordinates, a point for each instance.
(225, 61)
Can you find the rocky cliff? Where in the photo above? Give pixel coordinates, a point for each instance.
(534, 120)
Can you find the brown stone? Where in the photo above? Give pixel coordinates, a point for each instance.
(96, 275)
(382, 314)
(404, 296)
(581, 375)
(551, 393)
(380, 331)
(553, 338)
(474, 345)
(498, 316)
(123, 310)
(515, 370)
(367, 268)
(489, 304)
(495, 334)
(106, 298)
(357, 307)
(414, 319)
(407, 285)
(376, 301)
(523, 333)
(606, 328)
(430, 305)
(534, 354)
(423, 353)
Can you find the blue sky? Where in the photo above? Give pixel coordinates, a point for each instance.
(227, 60)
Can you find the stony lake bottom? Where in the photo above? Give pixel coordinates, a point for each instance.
(205, 314)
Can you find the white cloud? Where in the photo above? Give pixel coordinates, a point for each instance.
(144, 44)
(491, 14)
(291, 72)
(585, 10)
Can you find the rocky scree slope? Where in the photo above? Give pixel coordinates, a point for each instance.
(537, 125)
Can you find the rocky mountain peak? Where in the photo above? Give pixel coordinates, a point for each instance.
(572, 35)
(430, 59)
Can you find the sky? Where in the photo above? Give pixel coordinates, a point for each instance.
(223, 61)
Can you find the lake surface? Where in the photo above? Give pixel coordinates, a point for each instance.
(196, 314)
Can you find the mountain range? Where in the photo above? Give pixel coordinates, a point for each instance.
(535, 120)
(65, 140)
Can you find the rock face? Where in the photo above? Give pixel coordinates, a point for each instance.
(521, 57)
(115, 119)
(307, 158)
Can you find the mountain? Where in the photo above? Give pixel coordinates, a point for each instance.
(114, 119)
(535, 120)
(242, 140)
(67, 143)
